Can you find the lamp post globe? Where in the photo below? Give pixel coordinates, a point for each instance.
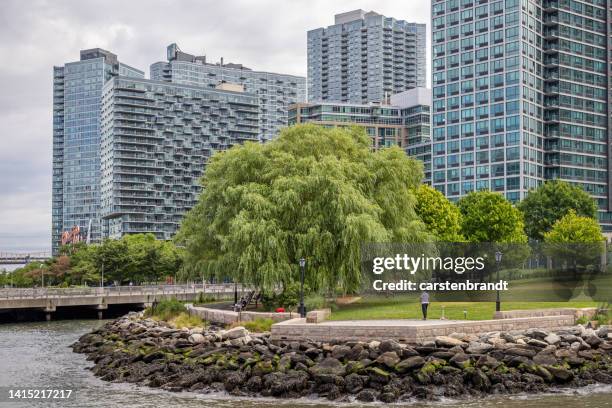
(498, 259)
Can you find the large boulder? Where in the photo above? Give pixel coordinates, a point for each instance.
(461, 360)
(234, 333)
(353, 383)
(367, 395)
(390, 345)
(410, 363)
(340, 352)
(552, 338)
(388, 359)
(447, 341)
(480, 380)
(281, 384)
(561, 374)
(476, 347)
(592, 339)
(537, 343)
(329, 365)
(196, 338)
(545, 358)
(536, 334)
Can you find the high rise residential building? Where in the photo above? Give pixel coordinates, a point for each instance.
(365, 57)
(520, 96)
(405, 122)
(156, 139)
(275, 91)
(77, 91)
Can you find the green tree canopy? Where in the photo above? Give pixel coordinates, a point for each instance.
(489, 217)
(576, 242)
(573, 228)
(550, 202)
(137, 258)
(134, 258)
(313, 192)
(442, 218)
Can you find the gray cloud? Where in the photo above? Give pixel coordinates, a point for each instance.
(36, 35)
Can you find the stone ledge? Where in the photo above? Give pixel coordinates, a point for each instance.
(406, 331)
(229, 317)
(318, 316)
(570, 311)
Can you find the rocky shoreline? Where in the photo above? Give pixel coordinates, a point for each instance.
(138, 350)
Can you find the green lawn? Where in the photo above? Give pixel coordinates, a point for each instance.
(408, 307)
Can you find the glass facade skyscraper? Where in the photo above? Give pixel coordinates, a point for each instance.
(156, 140)
(365, 57)
(405, 122)
(275, 91)
(77, 91)
(520, 96)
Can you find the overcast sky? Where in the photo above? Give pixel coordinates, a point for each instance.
(35, 35)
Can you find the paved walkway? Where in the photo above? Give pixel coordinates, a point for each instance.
(389, 323)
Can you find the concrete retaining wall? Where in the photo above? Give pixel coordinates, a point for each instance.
(406, 331)
(229, 317)
(570, 311)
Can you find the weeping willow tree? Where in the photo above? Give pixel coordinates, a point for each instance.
(313, 192)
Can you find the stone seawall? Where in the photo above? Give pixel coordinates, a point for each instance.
(406, 331)
(230, 317)
(204, 360)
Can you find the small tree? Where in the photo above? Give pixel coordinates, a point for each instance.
(442, 218)
(575, 243)
(550, 202)
(573, 228)
(489, 217)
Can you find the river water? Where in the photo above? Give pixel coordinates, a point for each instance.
(37, 355)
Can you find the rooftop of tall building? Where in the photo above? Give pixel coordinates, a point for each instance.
(99, 53)
(353, 15)
(174, 53)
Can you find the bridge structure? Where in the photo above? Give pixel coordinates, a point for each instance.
(18, 258)
(50, 299)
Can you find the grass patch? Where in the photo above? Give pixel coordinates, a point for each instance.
(166, 310)
(186, 320)
(408, 307)
(256, 326)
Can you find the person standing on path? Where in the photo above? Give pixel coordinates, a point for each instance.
(424, 303)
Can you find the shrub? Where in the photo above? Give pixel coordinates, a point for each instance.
(314, 301)
(602, 319)
(202, 299)
(289, 298)
(186, 320)
(166, 309)
(258, 325)
(582, 320)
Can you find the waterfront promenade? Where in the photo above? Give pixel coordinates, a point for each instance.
(407, 330)
(49, 299)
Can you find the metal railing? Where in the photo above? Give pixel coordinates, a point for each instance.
(37, 293)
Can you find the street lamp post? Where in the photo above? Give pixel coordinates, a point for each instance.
(498, 259)
(302, 308)
(235, 293)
